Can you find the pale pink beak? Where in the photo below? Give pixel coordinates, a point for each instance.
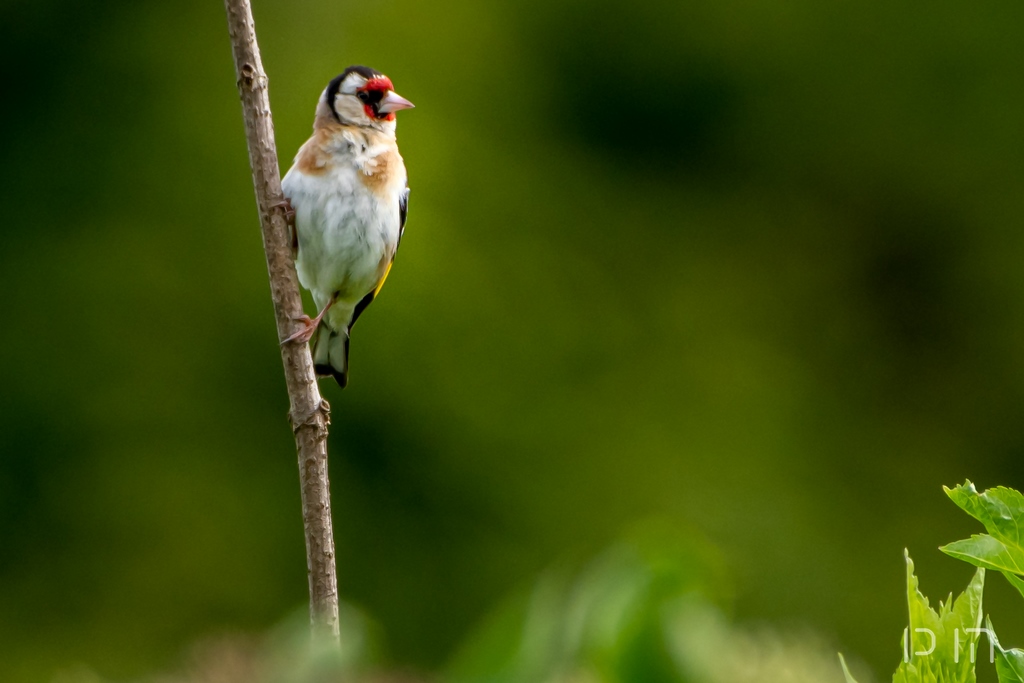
(392, 102)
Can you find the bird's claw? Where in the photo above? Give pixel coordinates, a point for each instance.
(305, 333)
(286, 208)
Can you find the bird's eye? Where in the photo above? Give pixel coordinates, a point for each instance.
(370, 96)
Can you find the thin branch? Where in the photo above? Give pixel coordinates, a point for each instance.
(308, 412)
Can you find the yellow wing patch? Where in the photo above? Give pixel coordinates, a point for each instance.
(380, 285)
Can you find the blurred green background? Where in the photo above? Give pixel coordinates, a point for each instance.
(751, 268)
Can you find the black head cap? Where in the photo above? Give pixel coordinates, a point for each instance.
(335, 85)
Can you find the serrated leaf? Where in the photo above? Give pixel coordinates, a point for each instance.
(1001, 510)
(939, 642)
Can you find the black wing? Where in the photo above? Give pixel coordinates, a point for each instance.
(403, 214)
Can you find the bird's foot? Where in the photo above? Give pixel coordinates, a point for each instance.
(286, 208)
(308, 326)
(305, 333)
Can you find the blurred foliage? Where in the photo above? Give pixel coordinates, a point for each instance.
(286, 654)
(610, 621)
(646, 610)
(642, 611)
(754, 267)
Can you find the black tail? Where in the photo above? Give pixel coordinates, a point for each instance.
(330, 353)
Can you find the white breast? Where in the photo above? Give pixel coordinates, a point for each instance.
(345, 231)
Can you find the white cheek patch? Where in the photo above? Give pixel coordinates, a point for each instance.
(352, 83)
(349, 108)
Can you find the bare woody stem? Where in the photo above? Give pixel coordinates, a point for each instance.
(308, 412)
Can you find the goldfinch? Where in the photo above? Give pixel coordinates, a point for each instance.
(350, 196)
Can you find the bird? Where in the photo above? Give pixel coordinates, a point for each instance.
(348, 194)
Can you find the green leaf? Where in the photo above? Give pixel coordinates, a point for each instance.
(1009, 663)
(938, 643)
(983, 550)
(1001, 510)
(607, 621)
(1010, 670)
